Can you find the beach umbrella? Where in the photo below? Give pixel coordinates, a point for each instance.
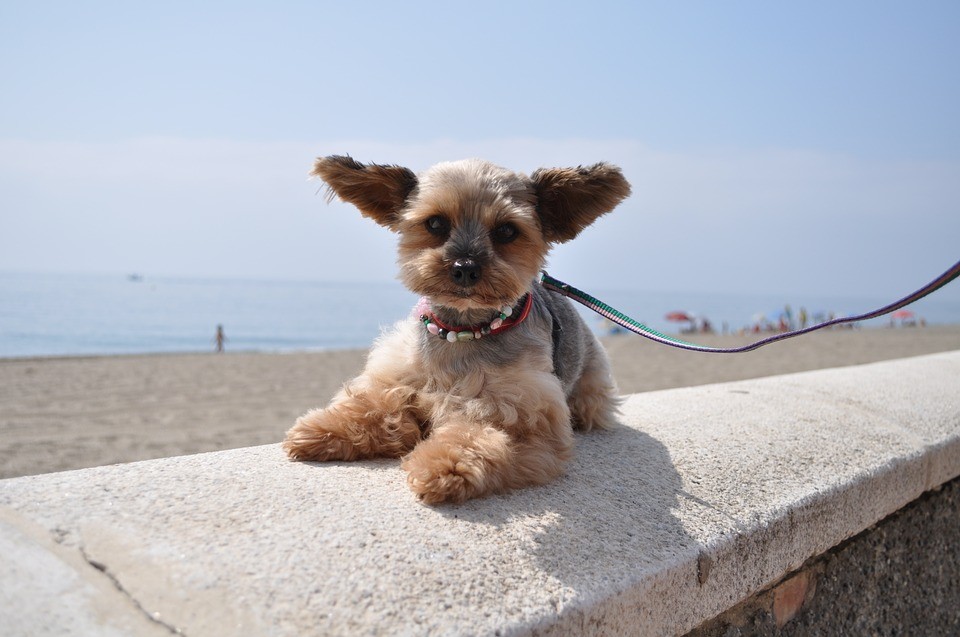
(678, 316)
(902, 314)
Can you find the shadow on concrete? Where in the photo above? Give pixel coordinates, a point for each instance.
(611, 513)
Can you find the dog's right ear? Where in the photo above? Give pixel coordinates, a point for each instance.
(378, 191)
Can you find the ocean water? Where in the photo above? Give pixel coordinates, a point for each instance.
(53, 314)
(81, 314)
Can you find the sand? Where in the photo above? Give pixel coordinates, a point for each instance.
(70, 413)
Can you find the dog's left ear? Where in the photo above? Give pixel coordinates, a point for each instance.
(570, 199)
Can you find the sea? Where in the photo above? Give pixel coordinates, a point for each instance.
(45, 315)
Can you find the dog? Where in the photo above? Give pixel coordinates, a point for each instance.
(480, 390)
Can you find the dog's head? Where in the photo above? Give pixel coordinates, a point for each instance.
(473, 235)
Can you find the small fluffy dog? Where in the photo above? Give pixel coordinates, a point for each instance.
(480, 389)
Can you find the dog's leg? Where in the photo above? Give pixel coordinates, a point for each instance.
(361, 422)
(505, 440)
(459, 461)
(373, 416)
(594, 401)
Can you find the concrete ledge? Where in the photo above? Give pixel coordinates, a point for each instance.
(703, 497)
(899, 577)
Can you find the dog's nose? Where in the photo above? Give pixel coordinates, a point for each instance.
(465, 272)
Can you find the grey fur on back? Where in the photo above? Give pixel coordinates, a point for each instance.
(571, 337)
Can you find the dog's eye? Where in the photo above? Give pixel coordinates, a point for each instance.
(437, 225)
(505, 233)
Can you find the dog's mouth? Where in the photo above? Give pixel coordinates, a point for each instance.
(488, 295)
(469, 300)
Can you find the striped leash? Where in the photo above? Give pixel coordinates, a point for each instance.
(636, 327)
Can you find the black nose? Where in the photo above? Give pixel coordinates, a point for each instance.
(465, 272)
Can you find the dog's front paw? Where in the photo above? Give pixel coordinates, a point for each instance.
(445, 480)
(455, 468)
(312, 437)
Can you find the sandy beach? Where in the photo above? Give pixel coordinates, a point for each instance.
(70, 413)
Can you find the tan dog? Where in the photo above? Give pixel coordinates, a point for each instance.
(480, 390)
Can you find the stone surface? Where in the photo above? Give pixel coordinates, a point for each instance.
(701, 498)
(900, 577)
(52, 590)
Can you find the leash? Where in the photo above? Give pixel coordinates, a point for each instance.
(636, 327)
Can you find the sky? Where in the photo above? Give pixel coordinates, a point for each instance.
(772, 147)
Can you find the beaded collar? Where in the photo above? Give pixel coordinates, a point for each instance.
(454, 334)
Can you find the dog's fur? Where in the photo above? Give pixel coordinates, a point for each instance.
(483, 416)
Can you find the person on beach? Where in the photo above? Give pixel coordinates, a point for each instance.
(220, 338)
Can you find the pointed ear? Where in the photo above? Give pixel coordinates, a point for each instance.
(570, 199)
(378, 191)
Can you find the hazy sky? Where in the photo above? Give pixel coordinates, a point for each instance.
(801, 147)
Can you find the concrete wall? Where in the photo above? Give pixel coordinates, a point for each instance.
(703, 498)
(899, 577)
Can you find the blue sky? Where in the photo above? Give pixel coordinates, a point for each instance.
(811, 147)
